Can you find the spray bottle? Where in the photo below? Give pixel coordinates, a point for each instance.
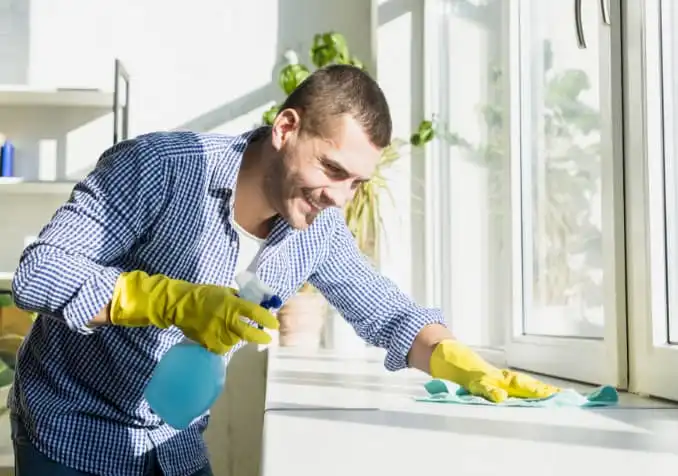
(189, 378)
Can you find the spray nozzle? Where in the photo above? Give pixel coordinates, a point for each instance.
(253, 290)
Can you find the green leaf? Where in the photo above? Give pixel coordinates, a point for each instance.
(424, 134)
(269, 116)
(356, 62)
(328, 48)
(338, 42)
(291, 76)
(6, 300)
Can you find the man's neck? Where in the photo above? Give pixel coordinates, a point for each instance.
(251, 208)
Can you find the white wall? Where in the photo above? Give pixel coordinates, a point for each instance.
(210, 67)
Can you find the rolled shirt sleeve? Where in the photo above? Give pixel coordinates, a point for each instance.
(69, 272)
(372, 304)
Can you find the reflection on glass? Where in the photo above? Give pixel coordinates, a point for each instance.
(472, 124)
(670, 66)
(561, 161)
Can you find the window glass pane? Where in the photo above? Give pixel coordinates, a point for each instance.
(561, 157)
(476, 154)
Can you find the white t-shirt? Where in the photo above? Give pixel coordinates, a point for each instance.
(250, 246)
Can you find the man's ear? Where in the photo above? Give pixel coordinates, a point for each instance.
(285, 127)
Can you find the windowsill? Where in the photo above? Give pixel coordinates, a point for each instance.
(290, 365)
(331, 406)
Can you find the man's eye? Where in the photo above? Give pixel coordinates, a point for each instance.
(333, 170)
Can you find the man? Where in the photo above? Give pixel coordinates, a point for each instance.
(146, 249)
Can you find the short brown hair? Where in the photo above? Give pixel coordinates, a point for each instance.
(341, 89)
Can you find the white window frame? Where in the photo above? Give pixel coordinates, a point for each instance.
(652, 360)
(587, 360)
(437, 206)
(436, 194)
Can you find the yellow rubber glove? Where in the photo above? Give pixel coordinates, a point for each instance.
(453, 361)
(207, 314)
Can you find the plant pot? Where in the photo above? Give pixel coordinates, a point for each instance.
(301, 320)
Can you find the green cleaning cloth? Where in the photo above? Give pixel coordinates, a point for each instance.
(447, 392)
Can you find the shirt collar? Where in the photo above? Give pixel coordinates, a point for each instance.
(226, 170)
(226, 173)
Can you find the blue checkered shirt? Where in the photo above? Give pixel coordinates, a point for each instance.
(161, 203)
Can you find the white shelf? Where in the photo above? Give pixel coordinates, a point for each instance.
(44, 97)
(6, 281)
(18, 186)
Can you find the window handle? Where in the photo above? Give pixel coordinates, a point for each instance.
(605, 11)
(581, 40)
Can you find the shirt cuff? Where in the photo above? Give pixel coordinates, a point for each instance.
(396, 356)
(93, 296)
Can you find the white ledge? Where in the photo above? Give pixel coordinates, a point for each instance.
(55, 97)
(333, 415)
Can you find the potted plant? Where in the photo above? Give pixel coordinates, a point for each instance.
(303, 315)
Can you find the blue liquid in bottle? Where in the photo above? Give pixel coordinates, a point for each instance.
(189, 378)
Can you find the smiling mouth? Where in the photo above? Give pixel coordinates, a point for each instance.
(310, 201)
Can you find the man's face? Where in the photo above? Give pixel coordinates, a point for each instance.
(313, 173)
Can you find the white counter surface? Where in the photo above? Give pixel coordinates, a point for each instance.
(332, 415)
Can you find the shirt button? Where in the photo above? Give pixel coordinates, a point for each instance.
(234, 244)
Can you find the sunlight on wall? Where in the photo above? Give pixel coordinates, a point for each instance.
(207, 67)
